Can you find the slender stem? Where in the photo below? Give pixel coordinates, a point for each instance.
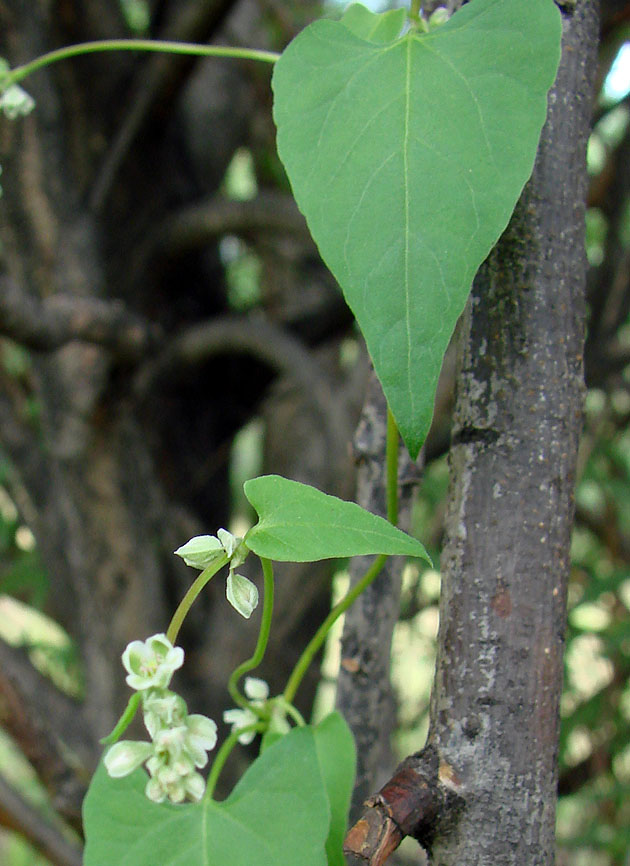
(295, 714)
(320, 635)
(263, 636)
(124, 721)
(159, 45)
(186, 603)
(414, 11)
(391, 470)
(391, 463)
(222, 756)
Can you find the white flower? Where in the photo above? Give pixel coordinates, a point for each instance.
(163, 709)
(173, 781)
(240, 719)
(125, 757)
(194, 785)
(201, 738)
(257, 691)
(16, 102)
(189, 741)
(242, 594)
(151, 663)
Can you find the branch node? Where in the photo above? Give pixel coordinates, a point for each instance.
(421, 797)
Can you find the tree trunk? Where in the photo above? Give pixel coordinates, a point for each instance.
(494, 712)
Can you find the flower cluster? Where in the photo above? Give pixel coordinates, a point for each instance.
(179, 742)
(244, 719)
(203, 550)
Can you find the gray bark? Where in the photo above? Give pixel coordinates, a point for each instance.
(494, 712)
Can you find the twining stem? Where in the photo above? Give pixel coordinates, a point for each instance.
(263, 636)
(124, 721)
(321, 634)
(186, 603)
(156, 45)
(391, 471)
(391, 468)
(222, 756)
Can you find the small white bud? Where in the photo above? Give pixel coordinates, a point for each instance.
(125, 757)
(242, 594)
(256, 689)
(201, 551)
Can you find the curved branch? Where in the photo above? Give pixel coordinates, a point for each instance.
(18, 815)
(199, 224)
(46, 325)
(43, 722)
(270, 344)
(193, 22)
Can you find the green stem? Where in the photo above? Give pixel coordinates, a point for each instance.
(391, 463)
(124, 721)
(222, 756)
(414, 11)
(188, 48)
(186, 603)
(322, 632)
(391, 470)
(295, 714)
(263, 636)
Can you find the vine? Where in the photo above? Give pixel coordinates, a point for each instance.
(407, 142)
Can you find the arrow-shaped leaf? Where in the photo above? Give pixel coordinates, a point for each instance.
(298, 523)
(407, 159)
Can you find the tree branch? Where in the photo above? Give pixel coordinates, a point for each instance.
(417, 801)
(17, 814)
(193, 22)
(48, 727)
(264, 340)
(198, 225)
(53, 322)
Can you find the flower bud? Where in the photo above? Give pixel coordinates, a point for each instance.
(125, 757)
(201, 551)
(242, 594)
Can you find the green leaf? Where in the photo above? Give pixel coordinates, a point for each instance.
(298, 523)
(337, 759)
(384, 27)
(277, 815)
(407, 159)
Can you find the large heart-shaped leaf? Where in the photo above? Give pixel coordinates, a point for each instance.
(298, 523)
(279, 814)
(407, 159)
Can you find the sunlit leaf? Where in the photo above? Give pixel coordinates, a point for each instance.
(298, 523)
(407, 159)
(278, 815)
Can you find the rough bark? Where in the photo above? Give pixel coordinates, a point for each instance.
(494, 713)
